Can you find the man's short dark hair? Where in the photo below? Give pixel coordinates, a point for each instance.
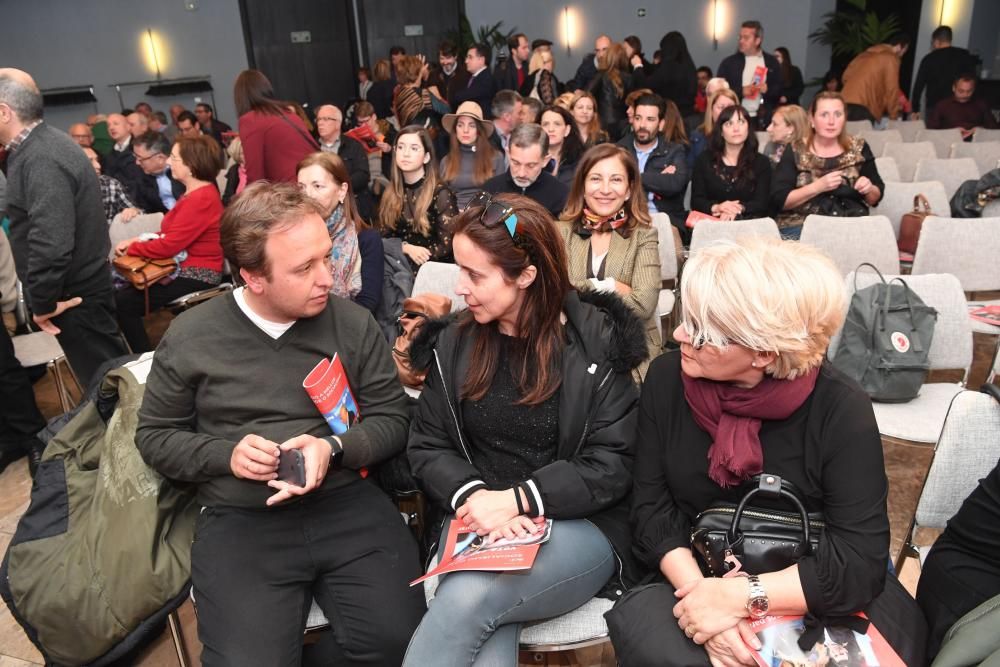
(482, 50)
(144, 104)
(154, 142)
(205, 107)
(187, 115)
(965, 76)
(707, 70)
(504, 102)
(758, 29)
(942, 34)
(652, 100)
(515, 40)
(448, 49)
(397, 51)
(527, 135)
(899, 39)
(24, 101)
(160, 116)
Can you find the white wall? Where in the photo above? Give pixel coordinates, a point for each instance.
(786, 23)
(72, 42)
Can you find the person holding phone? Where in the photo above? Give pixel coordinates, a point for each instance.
(224, 404)
(528, 411)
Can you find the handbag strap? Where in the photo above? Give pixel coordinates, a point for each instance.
(308, 137)
(920, 200)
(771, 486)
(872, 267)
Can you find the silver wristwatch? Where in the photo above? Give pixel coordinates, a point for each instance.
(757, 602)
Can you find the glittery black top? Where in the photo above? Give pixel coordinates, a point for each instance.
(509, 442)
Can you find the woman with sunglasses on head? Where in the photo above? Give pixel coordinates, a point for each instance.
(472, 159)
(416, 207)
(749, 392)
(356, 259)
(731, 180)
(528, 412)
(565, 146)
(610, 241)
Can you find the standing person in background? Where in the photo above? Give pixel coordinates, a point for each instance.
(587, 71)
(939, 69)
(412, 104)
(609, 88)
(481, 85)
(512, 73)
(543, 84)
(871, 81)
(472, 159)
(675, 78)
(633, 49)
(449, 76)
(274, 137)
(416, 207)
(364, 82)
(380, 94)
(759, 97)
(58, 232)
(701, 97)
(791, 76)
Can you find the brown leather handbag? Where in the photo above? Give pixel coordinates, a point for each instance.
(144, 272)
(910, 224)
(416, 311)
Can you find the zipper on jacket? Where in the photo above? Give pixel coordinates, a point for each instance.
(451, 407)
(586, 422)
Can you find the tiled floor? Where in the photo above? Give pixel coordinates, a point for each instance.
(905, 466)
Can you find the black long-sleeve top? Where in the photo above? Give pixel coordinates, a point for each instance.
(829, 448)
(792, 90)
(709, 187)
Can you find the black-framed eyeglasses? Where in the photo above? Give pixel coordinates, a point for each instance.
(495, 213)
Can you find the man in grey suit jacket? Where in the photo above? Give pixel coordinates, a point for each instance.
(63, 269)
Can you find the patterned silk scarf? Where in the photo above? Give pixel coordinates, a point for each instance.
(344, 255)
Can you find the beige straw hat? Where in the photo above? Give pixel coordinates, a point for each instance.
(470, 109)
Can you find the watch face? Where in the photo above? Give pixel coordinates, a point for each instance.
(758, 607)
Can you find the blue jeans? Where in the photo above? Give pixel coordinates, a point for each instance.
(475, 617)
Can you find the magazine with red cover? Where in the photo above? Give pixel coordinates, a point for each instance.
(759, 77)
(694, 217)
(465, 550)
(779, 638)
(329, 389)
(987, 314)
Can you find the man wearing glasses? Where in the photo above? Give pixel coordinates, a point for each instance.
(329, 123)
(155, 191)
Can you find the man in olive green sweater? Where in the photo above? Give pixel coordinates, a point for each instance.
(225, 396)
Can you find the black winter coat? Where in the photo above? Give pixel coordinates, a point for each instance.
(592, 475)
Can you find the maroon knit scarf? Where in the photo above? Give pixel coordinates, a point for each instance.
(732, 416)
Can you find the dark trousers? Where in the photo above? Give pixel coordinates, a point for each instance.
(89, 335)
(643, 628)
(20, 419)
(255, 573)
(131, 306)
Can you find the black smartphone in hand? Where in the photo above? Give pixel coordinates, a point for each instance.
(292, 467)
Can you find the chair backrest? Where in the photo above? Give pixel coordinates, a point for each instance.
(898, 199)
(992, 210)
(942, 139)
(907, 128)
(907, 154)
(966, 451)
(985, 153)
(858, 126)
(952, 344)
(438, 278)
(840, 239)
(763, 139)
(877, 139)
(950, 172)
(887, 168)
(982, 134)
(968, 248)
(120, 231)
(668, 251)
(707, 231)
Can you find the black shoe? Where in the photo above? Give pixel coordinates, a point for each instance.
(35, 448)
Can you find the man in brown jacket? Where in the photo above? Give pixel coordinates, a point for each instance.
(871, 81)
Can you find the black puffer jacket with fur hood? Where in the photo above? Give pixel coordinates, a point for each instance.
(591, 477)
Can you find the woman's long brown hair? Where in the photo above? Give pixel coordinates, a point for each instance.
(482, 163)
(636, 206)
(536, 363)
(334, 165)
(391, 207)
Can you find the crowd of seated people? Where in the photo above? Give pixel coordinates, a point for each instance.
(536, 190)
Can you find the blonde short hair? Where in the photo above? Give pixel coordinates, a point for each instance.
(797, 118)
(768, 296)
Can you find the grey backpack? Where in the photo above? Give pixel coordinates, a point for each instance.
(885, 340)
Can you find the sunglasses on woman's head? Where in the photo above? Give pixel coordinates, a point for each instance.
(495, 213)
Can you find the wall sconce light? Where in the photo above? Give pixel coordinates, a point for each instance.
(154, 52)
(567, 34)
(715, 25)
(716, 21)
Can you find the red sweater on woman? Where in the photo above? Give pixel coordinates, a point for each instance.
(273, 145)
(192, 225)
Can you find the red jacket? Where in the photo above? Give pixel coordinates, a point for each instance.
(273, 145)
(192, 225)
